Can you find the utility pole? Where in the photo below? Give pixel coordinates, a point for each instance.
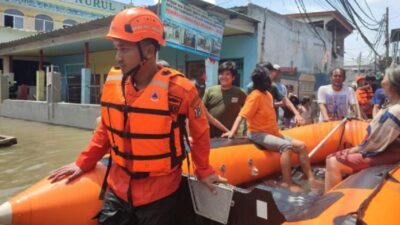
(158, 7)
(387, 43)
(359, 62)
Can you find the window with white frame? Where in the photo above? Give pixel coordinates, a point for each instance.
(43, 23)
(69, 23)
(13, 18)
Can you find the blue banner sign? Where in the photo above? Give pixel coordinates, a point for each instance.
(192, 29)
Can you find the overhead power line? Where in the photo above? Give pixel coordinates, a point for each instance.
(350, 10)
(302, 9)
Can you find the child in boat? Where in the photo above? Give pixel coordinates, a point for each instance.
(260, 116)
(381, 144)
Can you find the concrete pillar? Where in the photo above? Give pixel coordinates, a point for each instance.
(4, 91)
(85, 85)
(86, 55)
(53, 81)
(40, 88)
(7, 64)
(85, 75)
(1, 19)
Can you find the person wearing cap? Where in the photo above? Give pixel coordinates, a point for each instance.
(144, 170)
(280, 100)
(283, 100)
(381, 144)
(275, 72)
(336, 100)
(225, 100)
(365, 95)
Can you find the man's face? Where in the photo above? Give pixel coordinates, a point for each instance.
(274, 75)
(337, 78)
(362, 83)
(226, 79)
(127, 54)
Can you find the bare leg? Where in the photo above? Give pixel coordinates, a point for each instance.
(316, 186)
(300, 149)
(334, 171)
(286, 171)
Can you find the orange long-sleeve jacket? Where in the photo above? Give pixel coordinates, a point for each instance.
(150, 189)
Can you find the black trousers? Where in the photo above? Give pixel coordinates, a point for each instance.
(116, 211)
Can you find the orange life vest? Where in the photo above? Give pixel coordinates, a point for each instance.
(364, 97)
(153, 145)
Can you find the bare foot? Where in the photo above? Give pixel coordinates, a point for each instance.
(316, 186)
(315, 183)
(292, 187)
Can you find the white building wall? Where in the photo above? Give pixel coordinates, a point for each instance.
(337, 62)
(67, 114)
(291, 43)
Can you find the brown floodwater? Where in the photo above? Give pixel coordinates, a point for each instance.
(41, 148)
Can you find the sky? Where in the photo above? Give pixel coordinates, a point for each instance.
(354, 45)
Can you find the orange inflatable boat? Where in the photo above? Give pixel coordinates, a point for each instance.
(370, 197)
(238, 160)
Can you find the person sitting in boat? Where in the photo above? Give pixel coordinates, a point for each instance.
(278, 92)
(381, 144)
(260, 116)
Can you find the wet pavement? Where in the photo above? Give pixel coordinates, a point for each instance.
(41, 148)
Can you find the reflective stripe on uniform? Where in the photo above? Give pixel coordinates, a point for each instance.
(116, 77)
(160, 83)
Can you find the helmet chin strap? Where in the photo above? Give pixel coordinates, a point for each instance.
(132, 73)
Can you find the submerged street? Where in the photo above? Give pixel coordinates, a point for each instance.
(40, 149)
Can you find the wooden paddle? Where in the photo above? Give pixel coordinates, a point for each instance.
(316, 148)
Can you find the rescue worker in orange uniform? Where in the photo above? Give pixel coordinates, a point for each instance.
(143, 112)
(365, 95)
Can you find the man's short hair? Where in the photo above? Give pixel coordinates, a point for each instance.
(228, 65)
(341, 70)
(152, 42)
